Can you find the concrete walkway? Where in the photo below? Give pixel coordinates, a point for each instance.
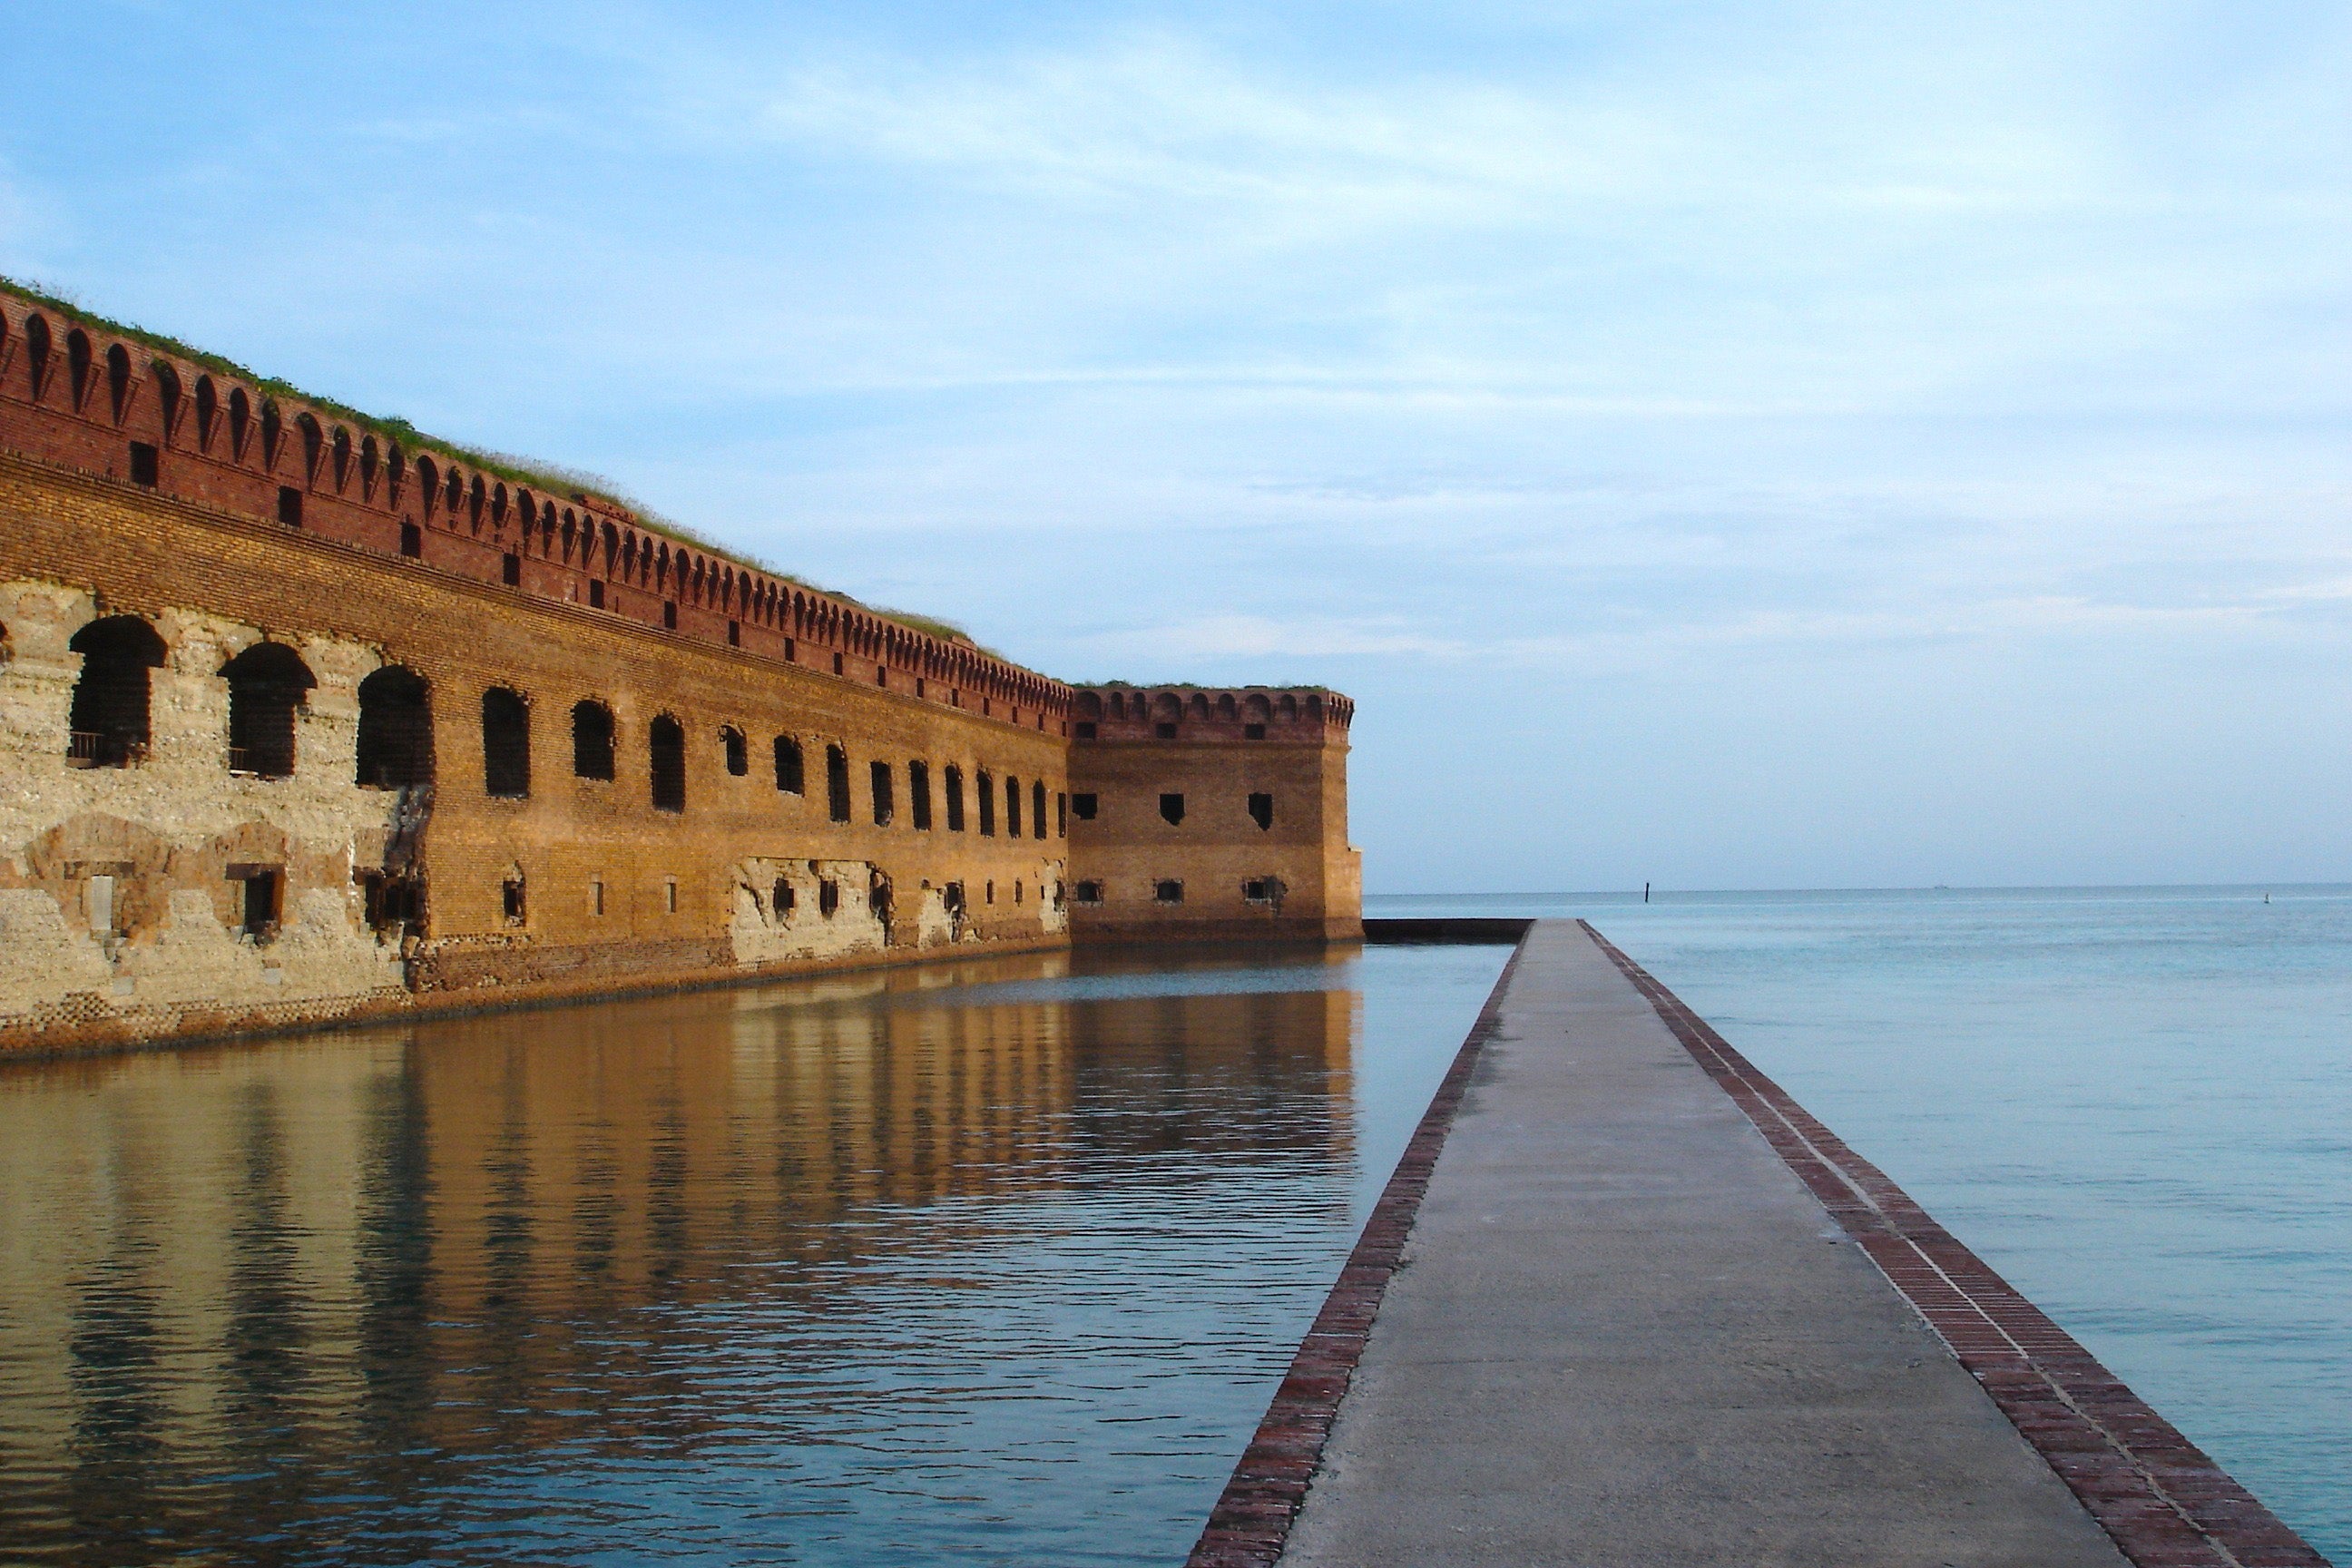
(1624, 1333)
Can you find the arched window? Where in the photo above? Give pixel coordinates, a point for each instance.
(1037, 809)
(428, 484)
(1012, 807)
(340, 454)
(886, 805)
(395, 730)
(266, 683)
(505, 744)
(370, 464)
(591, 741)
(78, 365)
(1261, 810)
(951, 785)
(208, 411)
(788, 765)
(167, 394)
(918, 796)
(36, 352)
(667, 742)
(738, 752)
(110, 716)
(313, 440)
(986, 791)
(240, 422)
(836, 782)
(272, 432)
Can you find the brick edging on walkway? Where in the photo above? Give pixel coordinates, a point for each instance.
(2156, 1495)
(1251, 1522)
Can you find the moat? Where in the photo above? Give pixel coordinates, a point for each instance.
(996, 1262)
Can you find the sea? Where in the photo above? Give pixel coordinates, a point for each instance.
(999, 1262)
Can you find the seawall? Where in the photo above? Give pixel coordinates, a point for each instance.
(1624, 1301)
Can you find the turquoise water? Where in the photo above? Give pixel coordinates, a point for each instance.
(990, 1263)
(2136, 1103)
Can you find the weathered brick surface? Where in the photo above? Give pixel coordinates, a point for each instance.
(613, 892)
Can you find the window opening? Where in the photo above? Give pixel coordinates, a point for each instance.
(1016, 890)
(669, 614)
(1012, 807)
(739, 752)
(669, 896)
(260, 902)
(836, 783)
(1061, 814)
(1083, 805)
(505, 744)
(510, 570)
(266, 683)
(591, 741)
(1261, 810)
(395, 742)
(1253, 732)
(986, 792)
(1164, 731)
(511, 899)
(837, 664)
(918, 794)
(1167, 892)
(597, 897)
(788, 765)
(595, 593)
(1037, 809)
(884, 805)
(988, 890)
(1089, 893)
(780, 899)
(828, 897)
(144, 464)
(953, 781)
(412, 541)
(290, 506)
(108, 722)
(666, 742)
(1171, 806)
(1086, 729)
(734, 634)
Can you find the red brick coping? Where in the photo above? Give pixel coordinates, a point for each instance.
(1251, 1522)
(2162, 1501)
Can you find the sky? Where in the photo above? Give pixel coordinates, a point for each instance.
(1722, 446)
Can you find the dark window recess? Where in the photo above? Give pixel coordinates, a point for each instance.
(739, 752)
(986, 792)
(1086, 729)
(260, 902)
(1012, 807)
(510, 570)
(779, 898)
(505, 744)
(881, 676)
(1264, 890)
(146, 466)
(1254, 892)
(1253, 732)
(1016, 891)
(1167, 892)
(1261, 810)
(952, 900)
(734, 634)
(792, 650)
(828, 897)
(837, 664)
(1037, 810)
(395, 740)
(836, 783)
(392, 904)
(511, 901)
(1061, 816)
(591, 741)
(669, 614)
(788, 765)
(266, 683)
(954, 781)
(1171, 806)
(666, 752)
(412, 541)
(290, 506)
(918, 796)
(988, 890)
(108, 722)
(1165, 731)
(884, 806)
(1083, 806)
(1087, 893)
(595, 595)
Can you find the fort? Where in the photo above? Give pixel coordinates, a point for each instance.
(306, 717)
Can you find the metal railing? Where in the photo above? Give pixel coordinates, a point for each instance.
(98, 748)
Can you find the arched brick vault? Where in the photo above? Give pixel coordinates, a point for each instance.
(71, 391)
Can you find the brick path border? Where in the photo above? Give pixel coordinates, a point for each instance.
(2158, 1496)
(1251, 1522)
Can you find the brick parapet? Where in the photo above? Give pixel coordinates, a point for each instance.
(1313, 715)
(218, 443)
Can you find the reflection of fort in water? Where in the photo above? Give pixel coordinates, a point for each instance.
(419, 1241)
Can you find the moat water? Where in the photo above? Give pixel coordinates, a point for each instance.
(996, 1264)
(2134, 1102)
